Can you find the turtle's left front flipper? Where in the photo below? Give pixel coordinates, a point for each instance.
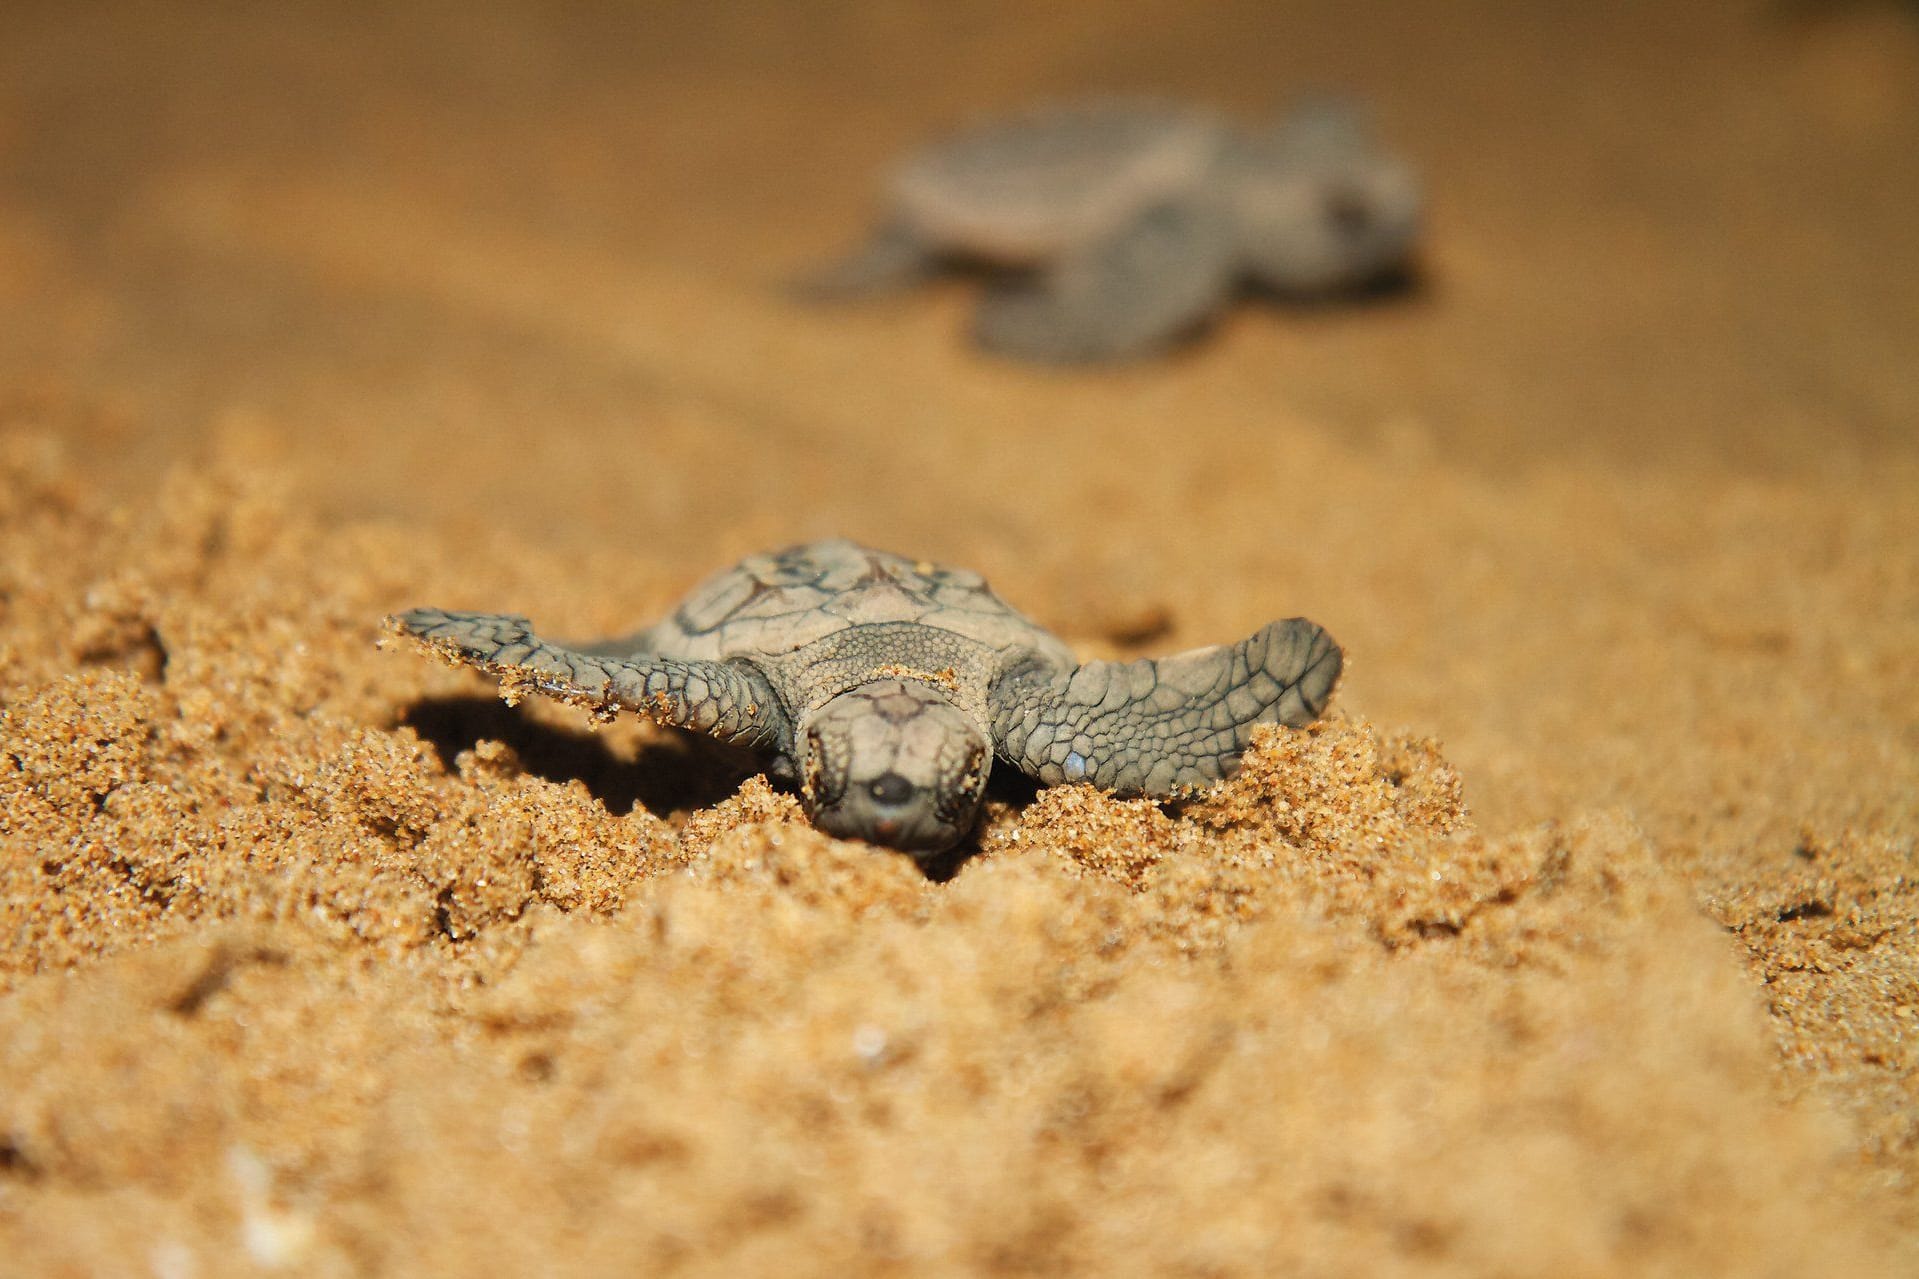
(1160, 727)
(726, 700)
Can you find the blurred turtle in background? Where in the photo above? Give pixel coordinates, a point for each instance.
(1112, 229)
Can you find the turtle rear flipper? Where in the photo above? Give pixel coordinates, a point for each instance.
(893, 258)
(1155, 278)
(1159, 727)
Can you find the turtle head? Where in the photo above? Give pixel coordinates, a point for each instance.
(893, 762)
(1318, 205)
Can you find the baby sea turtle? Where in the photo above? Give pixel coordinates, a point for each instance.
(886, 686)
(1119, 226)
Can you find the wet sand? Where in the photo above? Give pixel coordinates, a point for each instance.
(1580, 939)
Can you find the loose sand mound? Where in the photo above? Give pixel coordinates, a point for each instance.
(333, 1000)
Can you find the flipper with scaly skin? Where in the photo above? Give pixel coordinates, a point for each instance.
(727, 700)
(1161, 727)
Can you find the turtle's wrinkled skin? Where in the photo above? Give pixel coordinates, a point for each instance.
(887, 686)
(1119, 226)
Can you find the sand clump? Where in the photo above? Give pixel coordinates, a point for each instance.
(290, 983)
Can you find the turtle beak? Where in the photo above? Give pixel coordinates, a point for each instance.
(886, 828)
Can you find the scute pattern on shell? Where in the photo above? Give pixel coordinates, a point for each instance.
(773, 604)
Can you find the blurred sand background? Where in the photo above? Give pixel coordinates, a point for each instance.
(1581, 940)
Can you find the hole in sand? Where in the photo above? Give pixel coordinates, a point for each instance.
(621, 766)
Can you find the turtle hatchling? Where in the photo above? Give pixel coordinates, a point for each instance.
(886, 686)
(1117, 227)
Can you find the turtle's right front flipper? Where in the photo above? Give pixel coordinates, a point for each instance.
(1127, 295)
(726, 700)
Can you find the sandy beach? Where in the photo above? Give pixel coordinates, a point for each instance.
(1581, 938)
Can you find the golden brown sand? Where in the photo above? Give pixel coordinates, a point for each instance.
(1582, 939)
